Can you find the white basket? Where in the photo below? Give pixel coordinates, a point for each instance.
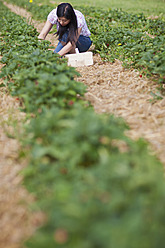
(80, 59)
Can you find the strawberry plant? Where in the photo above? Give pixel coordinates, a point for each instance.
(96, 187)
(93, 194)
(40, 77)
(46, 82)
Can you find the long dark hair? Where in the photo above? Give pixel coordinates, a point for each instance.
(67, 11)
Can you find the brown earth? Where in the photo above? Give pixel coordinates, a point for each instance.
(111, 89)
(16, 221)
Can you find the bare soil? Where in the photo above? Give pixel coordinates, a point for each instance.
(111, 89)
(16, 221)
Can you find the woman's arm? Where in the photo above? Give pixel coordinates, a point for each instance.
(47, 27)
(68, 47)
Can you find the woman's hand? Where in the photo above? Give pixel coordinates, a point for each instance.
(66, 49)
(69, 48)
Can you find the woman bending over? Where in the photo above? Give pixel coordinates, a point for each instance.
(72, 29)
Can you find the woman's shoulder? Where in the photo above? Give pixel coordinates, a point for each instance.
(52, 17)
(80, 16)
(77, 12)
(54, 11)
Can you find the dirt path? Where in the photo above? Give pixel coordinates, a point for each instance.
(111, 89)
(16, 223)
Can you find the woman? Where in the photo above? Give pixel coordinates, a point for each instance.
(72, 29)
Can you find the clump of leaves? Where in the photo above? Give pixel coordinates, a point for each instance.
(47, 81)
(98, 188)
(39, 77)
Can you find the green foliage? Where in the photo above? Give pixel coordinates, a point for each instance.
(46, 81)
(137, 41)
(97, 187)
(78, 126)
(97, 195)
(149, 7)
(133, 38)
(41, 78)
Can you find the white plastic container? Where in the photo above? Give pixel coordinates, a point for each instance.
(80, 59)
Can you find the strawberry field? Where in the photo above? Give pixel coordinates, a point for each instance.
(97, 187)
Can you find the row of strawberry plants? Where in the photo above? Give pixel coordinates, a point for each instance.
(133, 38)
(135, 43)
(27, 60)
(97, 187)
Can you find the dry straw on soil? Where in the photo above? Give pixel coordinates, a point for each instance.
(16, 221)
(113, 89)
